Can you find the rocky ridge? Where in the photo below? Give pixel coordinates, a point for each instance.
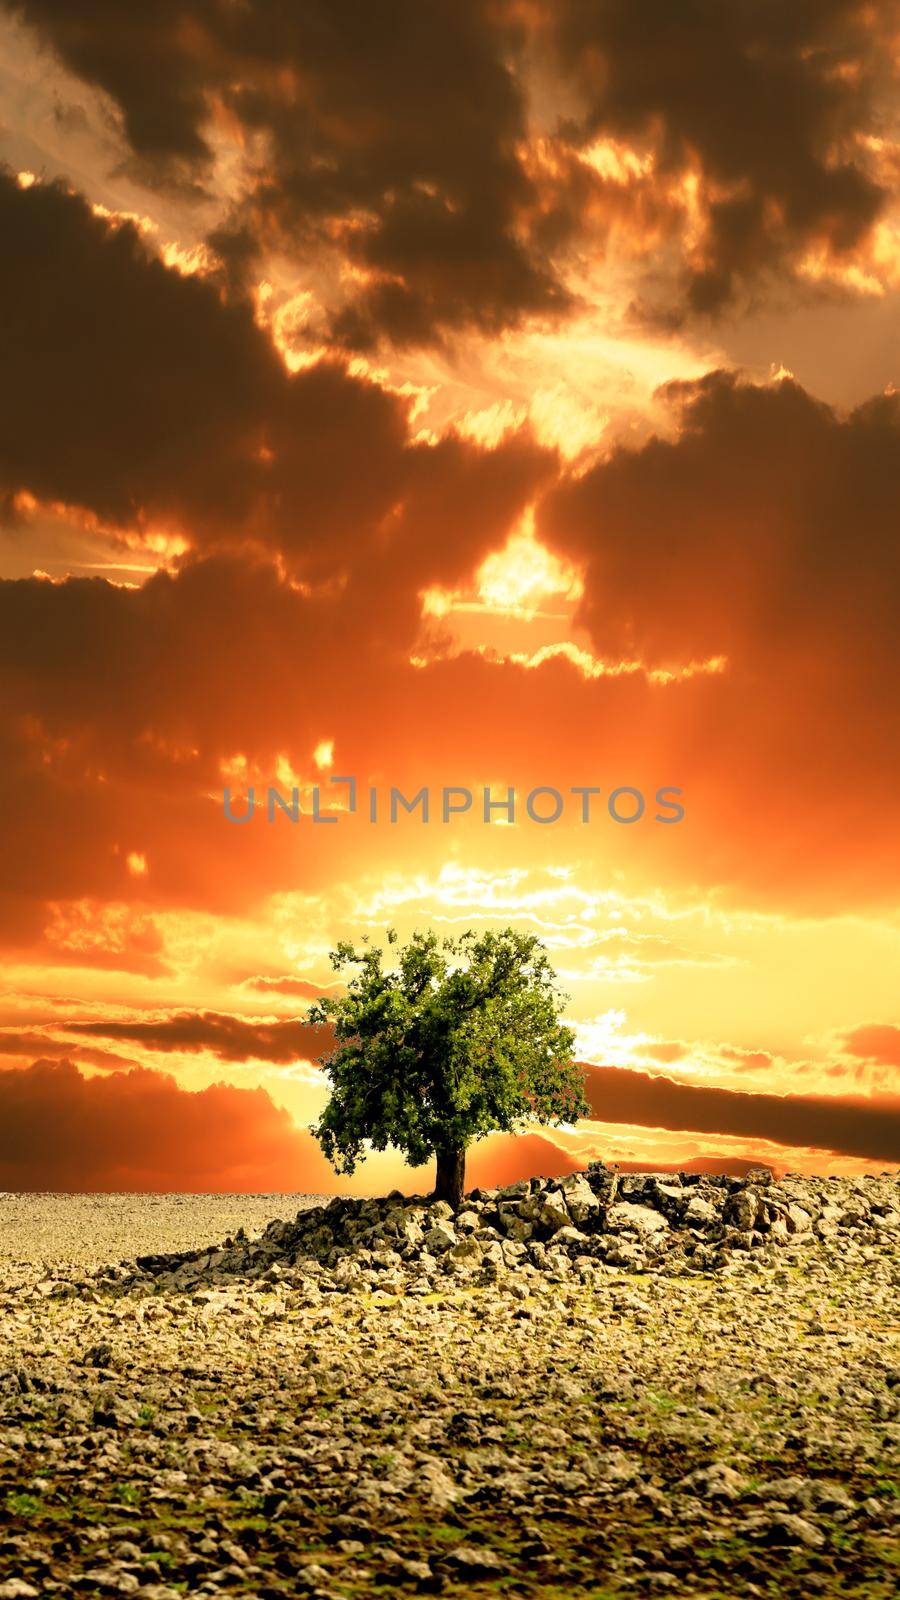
(584, 1224)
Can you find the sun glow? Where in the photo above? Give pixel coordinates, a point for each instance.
(517, 581)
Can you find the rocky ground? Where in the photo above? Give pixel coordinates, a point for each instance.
(599, 1387)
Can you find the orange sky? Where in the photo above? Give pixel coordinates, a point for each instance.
(504, 397)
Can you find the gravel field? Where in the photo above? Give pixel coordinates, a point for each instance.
(280, 1426)
(88, 1230)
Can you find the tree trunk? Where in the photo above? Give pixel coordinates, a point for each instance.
(450, 1181)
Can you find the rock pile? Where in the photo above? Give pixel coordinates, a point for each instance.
(581, 1225)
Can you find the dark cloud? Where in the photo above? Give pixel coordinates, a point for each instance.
(865, 1128)
(228, 1037)
(119, 706)
(387, 135)
(765, 104)
(763, 534)
(139, 1131)
(399, 141)
(18, 1044)
(767, 525)
(135, 393)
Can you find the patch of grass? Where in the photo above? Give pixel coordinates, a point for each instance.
(129, 1493)
(162, 1558)
(662, 1401)
(24, 1505)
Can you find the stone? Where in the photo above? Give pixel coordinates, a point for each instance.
(570, 1238)
(699, 1213)
(626, 1253)
(418, 1571)
(467, 1222)
(553, 1213)
(581, 1202)
(470, 1561)
(111, 1580)
(492, 1254)
(742, 1210)
(465, 1250)
(718, 1481)
(643, 1220)
(783, 1528)
(313, 1413)
(518, 1229)
(439, 1238)
(797, 1219)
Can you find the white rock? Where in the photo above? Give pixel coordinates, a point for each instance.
(568, 1236)
(581, 1200)
(467, 1222)
(640, 1219)
(554, 1213)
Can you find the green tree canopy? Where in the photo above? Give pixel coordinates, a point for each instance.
(460, 1038)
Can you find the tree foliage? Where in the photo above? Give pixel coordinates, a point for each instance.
(456, 1039)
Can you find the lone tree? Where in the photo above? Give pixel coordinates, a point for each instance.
(462, 1038)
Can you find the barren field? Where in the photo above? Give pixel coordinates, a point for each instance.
(593, 1418)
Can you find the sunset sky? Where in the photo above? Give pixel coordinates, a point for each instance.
(479, 392)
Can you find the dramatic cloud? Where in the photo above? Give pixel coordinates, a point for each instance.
(708, 542)
(765, 119)
(764, 534)
(328, 542)
(868, 1128)
(390, 142)
(133, 392)
(440, 169)
(125, 708)
(139, 1131)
